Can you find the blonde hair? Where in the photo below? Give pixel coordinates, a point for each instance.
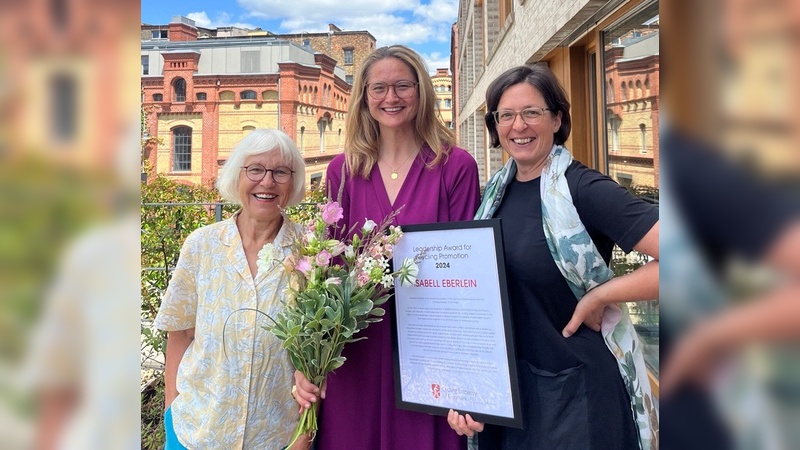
(363, 132)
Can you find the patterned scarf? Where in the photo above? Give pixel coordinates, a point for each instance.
(583, 267)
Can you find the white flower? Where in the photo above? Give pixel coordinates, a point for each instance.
(387, 281)
(267, 257)
(369, 225)
(349, 253)
(408, 272)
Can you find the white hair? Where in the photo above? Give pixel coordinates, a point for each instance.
(263, 141)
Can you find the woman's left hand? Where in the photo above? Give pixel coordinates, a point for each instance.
(463, 425)
(588, 312)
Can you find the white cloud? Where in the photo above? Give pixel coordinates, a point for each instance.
(324, 10)
(222, 19)
(390, 21)
(436, 60)
(438, 11)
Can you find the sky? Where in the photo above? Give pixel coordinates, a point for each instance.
(423, 25)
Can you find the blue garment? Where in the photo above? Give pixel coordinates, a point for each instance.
(171, 441)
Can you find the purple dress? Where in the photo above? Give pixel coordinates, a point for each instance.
(359, 409)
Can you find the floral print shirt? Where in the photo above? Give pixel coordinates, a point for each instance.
(234, 381)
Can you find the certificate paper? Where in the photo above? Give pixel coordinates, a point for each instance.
(454, 346)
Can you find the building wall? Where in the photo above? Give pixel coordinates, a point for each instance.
(496, 35)
(443, 87)
(334, 43)
(303, 94)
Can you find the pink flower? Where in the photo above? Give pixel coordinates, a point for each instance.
(323, 258)
(363, 278)
(303, 266)
(332, 213)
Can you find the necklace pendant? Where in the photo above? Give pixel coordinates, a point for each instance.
(394, 175)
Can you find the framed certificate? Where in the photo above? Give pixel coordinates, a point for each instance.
(455, 346)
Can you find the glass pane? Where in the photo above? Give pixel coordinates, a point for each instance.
(631, 61)
(630, 95)
(182, 157)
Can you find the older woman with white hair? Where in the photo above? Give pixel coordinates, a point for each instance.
(227, 378)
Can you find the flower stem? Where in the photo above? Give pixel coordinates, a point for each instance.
(306, 425)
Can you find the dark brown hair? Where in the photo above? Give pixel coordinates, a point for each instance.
(540, 77)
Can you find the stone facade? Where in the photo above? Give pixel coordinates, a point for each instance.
(443, 87)
(220, 89)
(336, 43)
(496, 35)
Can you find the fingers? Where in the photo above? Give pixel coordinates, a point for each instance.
(474, 425)
(463, 425)
(304, 392)
(571, 327)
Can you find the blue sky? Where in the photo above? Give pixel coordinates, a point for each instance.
(423, 25)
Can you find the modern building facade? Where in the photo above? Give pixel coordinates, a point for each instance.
(606, 55)
(203, 92)
(443, 87)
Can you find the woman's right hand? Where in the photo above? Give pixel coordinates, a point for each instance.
(306, 392)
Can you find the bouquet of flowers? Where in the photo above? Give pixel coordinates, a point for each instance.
(337, 290)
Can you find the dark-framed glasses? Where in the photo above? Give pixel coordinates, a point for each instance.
(402, 89)
(531, 116)
(257, 172)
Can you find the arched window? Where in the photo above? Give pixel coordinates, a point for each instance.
(181, 149)
(248, 95)
(179, 89)
(624, 91)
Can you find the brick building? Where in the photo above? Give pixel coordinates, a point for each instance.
(593, 47)
(443, 87)
(203, 92)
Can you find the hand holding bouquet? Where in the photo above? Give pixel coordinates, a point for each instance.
(338, 289)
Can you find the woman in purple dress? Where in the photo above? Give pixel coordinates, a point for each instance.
(398, 155)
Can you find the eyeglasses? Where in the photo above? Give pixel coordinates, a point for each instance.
(531, 116)
(402, 89)
(257, 172)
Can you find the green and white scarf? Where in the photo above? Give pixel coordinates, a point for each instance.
(583, 267)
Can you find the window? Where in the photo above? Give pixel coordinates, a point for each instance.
(248, 95)
(447, 103)
(158, 97)
(159, 34)
(316, 180)
(348, 57)
(251, 61)
(201, 96)
(179, 89)
(306, 42)
(348, 79)
(64, 97)
(302, 140)
(182, 149)
(643, 132)
(145, 65)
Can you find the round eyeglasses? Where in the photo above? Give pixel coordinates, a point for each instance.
(531, 116)
(257, 172)
(402, 89)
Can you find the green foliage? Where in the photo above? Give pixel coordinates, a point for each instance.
(164, 228)
(153, 434)
(44, 205)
